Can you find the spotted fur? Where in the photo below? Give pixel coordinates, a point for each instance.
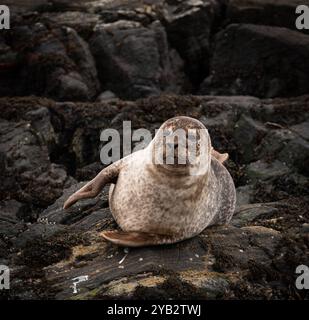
(159, 204)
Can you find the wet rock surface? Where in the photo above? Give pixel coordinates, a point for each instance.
(245, 62)
(263, 12)
(69, 70)
(209, 46)
(134, 61)
(223, 262)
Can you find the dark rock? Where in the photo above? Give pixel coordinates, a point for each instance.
(30, 175)
(301, 129)
(260, 170)
(78, 51)
(289, 145)
(48, 62)
(82, 22)
(8, 63)
(40, 122)
(189, 25)
(11, 210)
(36, 232)
(40, 252)
(285, 186)
(3, 252)
(134, 61)
(55, 214)
(67, 5)
(248, 134)
(244, 195)
(274, 142)
(245, 62)
(296, 153)
(235, 247)
(245, 214)
(71, 85)
(88, 172)
(225, 119)
(215, 285)
(112, 11)
(20, 6)
(265, 12)
(136, 264)
(10, 225)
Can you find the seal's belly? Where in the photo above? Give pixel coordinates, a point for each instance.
(140, 204)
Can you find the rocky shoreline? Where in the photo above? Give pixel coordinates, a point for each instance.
(47, 247)
(69, 71)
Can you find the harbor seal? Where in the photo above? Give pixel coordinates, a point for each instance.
(160, 202)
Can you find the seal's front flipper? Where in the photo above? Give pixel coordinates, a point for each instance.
(94, 187)
(138, 239)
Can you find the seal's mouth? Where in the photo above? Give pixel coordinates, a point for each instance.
(174, 169)
(177, 162)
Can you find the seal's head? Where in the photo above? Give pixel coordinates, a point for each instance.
(182, 146)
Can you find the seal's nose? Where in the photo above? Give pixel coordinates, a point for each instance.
(176, 154)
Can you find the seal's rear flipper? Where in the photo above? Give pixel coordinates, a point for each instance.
(137, 239)
(221, 157)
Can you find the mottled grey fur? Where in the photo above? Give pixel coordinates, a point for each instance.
(157, 204)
